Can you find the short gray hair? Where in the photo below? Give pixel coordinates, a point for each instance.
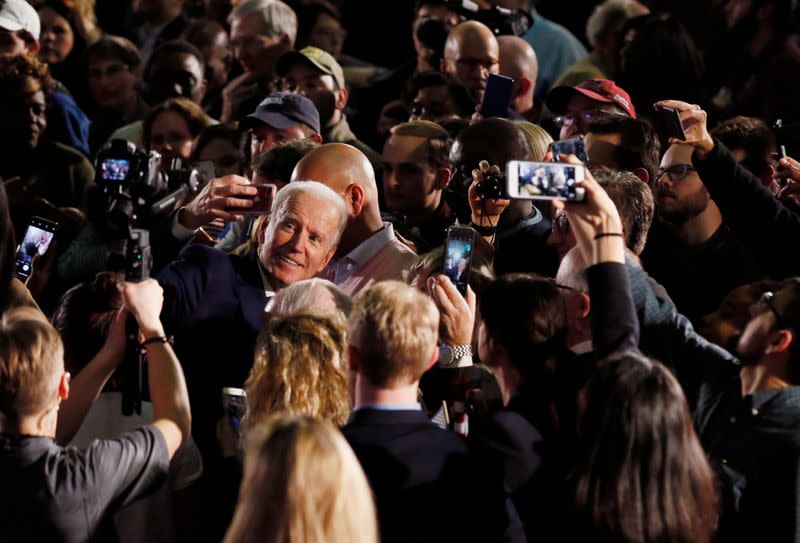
(291, 191)
(572, 270)
(279, 18)
(609, 14)
(301, 297)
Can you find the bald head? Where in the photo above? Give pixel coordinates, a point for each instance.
(517, 58)
(471, 53)
(349, 173)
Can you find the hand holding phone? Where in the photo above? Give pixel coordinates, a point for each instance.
(545, 181)
(671, 122)
(37, 240)
(572, 146)
(458, 256)
(262, 201)
(497, 96)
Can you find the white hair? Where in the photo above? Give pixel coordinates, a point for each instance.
(572, 270)
(290, 192)
(279, 18)
(306, 295)
(609, 14)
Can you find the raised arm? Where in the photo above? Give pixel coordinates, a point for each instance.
(171, 412)
(598, 231)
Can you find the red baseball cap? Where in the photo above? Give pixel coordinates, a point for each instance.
(600, 90)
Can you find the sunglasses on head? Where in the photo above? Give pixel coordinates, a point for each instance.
(676, 172)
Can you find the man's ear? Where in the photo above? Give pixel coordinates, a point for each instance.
(642, 174)
(781, 341)
(261, 229)
(353, 359)
(341, 98)
(443, 65)
(354, 198)
(434, 358)
(317, 137)
(33, 48)
(63, 386)
(525, 84)
(443, 176)
(585, 305)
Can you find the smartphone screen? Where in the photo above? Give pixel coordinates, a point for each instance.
(671, 122)
(37, 239)
(262, 201)
(572, 146)
(234, 403)
(497, 96)
(458, 255)
(545, 181)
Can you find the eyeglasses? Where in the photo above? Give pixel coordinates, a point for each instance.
(561, 224)
(586, 116)
(767, 301)
(676, 172)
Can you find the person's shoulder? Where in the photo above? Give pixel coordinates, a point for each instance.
(53, 150)
(509, 426)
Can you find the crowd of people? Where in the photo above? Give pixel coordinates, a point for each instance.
(261, 277)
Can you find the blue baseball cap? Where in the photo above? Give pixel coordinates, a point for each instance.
(281, 110)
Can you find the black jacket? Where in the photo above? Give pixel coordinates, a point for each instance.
(427, 485)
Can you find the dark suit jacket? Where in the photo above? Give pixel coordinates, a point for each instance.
(214, 307)
(427, 485)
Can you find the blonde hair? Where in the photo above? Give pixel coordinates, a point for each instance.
(395, 329)
(31, 363)
(302, 484)
(538, 137)
(299, 368)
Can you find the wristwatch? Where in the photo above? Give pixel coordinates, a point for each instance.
(451, 355)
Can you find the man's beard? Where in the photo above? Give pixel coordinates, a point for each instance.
(679, 211)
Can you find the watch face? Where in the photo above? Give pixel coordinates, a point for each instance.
(446, 356)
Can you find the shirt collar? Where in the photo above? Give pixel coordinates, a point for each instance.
(268, 290)
(372, 245)
(389, 407)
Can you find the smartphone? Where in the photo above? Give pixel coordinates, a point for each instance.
(572, 146)
(37, 239)
(545, 181)
(234, 403)
(497, 96)
(262, 201)
(671, 122)
(458, 256)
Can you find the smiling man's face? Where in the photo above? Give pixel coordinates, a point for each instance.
(302, 242)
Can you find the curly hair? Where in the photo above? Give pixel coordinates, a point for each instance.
(299, 368)
(16, 70)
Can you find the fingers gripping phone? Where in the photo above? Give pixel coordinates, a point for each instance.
(458, 256)
(497, 96)
(545, 181)
(38, 238)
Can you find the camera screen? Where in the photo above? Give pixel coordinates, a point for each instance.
(553, 180)
(456, 261)
(36, 241)
(115, 169)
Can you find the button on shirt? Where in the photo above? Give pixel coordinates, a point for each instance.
(347, 265)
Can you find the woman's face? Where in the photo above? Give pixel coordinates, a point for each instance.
(57, 38)
(112, 84)
(170, 136)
